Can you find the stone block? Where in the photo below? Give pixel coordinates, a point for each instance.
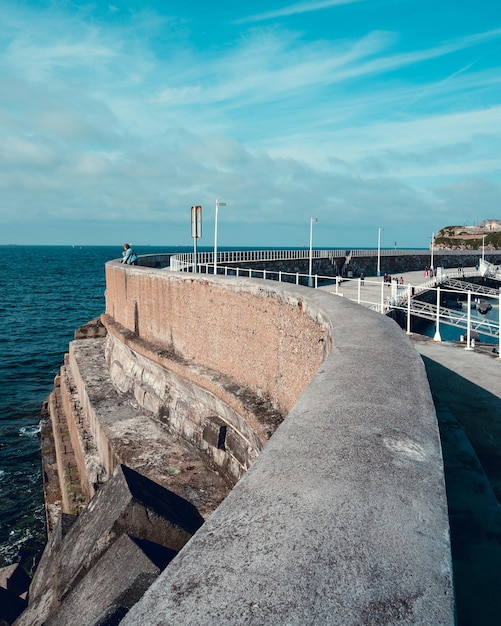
(128, 503)
(91, 330)
(114, 584)
(238, 447)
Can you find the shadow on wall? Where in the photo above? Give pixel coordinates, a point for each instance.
(470, 428)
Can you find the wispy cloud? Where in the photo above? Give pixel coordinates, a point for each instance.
(295, 9)
(135, 116)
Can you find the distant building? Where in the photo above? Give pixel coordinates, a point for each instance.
(490, 225)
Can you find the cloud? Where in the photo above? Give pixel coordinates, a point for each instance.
(296, 9)
(130, 118)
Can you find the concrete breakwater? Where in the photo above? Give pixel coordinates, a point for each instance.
(300, 426)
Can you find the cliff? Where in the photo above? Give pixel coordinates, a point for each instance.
(487, 236)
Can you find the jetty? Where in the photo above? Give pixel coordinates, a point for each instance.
(278, 447)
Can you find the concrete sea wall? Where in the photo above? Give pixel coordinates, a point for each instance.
(300, 425)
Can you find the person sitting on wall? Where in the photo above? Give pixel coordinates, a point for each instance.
(129, 256)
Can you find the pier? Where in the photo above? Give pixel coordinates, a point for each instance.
(401, 291)
(318, 411)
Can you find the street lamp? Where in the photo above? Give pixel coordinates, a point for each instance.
(432, 242)
(379, 251)
(218, 204)
(310, 279)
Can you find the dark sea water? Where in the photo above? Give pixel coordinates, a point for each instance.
(46, 292)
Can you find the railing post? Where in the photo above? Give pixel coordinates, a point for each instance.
(264, 274)
(382, 297)
(409, 292)
(468, 323)
(437, 336)
(316, 281)
(279, 276)
(297, 278)
(359, 290)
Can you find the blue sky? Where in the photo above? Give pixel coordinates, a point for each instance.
(116, 118)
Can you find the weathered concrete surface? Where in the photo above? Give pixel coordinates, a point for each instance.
(266, 340)
(118, 431)
(343, 517)
(114, 584)
(128, 503)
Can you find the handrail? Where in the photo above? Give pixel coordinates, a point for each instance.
(184, 261)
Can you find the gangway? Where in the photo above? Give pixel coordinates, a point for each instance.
(489, 270)
(462, 285)
(452, 317)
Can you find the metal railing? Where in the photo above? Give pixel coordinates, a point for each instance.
(186, 261)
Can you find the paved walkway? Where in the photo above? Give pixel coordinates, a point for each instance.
(466, 389)
(373, 290)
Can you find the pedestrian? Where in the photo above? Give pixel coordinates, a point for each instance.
(129, 257)
(362, 278)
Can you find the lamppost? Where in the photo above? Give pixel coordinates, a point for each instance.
(310, 279)
(218, 204)
(432, 242)
(378, 273)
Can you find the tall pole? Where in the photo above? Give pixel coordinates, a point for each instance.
(432, 242)
(379, 251)
(310, 267)
(218, 204)
(483, 247)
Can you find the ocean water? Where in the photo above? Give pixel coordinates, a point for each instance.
(46, 292)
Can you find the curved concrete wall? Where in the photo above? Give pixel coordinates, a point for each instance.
(268, 340)
(343, 518)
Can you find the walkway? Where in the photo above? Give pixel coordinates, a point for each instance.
(382, 296)
(467, 396)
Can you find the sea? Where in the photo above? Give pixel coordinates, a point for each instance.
(46, 292)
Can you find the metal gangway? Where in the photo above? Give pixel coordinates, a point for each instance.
(462, 285)
(453, 317)
(489, 270)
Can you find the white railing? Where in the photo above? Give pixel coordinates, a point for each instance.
(186, 261)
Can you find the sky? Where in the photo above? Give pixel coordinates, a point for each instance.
(379, 118)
